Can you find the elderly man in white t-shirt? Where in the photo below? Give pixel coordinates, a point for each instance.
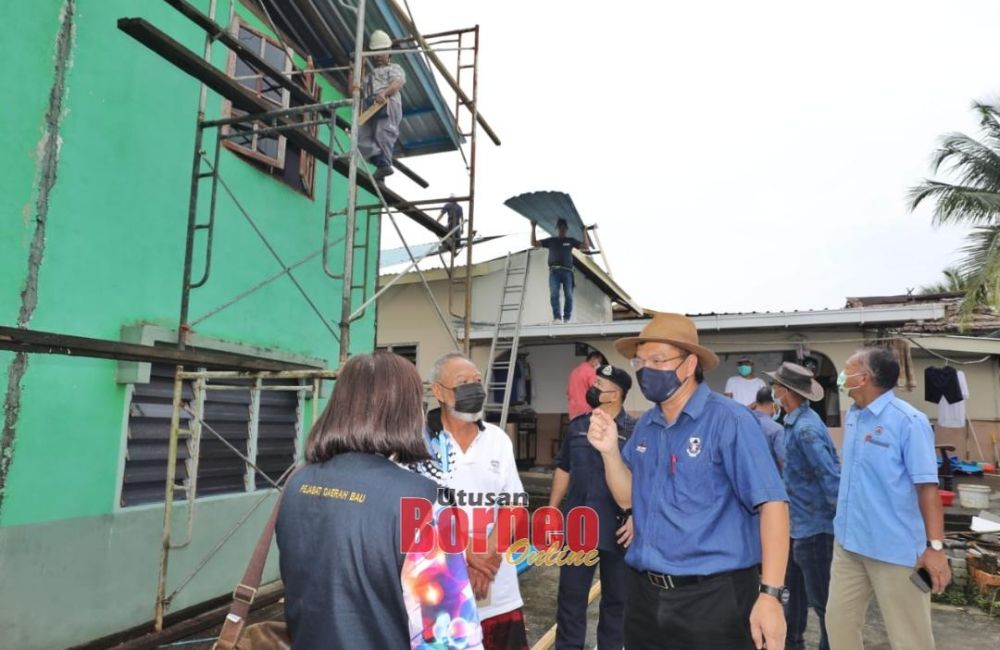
(477, 458)
(743, 386)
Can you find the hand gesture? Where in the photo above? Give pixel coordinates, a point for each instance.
(603, 432)
(380, 98)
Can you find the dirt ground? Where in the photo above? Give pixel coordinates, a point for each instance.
(955, 628)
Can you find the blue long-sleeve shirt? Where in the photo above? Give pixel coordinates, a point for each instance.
(811, 473)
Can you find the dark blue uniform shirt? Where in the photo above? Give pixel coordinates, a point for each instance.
(696, 487)
(587, 485)
(560, 250)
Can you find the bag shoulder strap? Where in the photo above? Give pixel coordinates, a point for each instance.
(246, 591)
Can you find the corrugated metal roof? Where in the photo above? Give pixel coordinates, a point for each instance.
(395, 260)
(546, 208)
(494, 252)
(325, 30)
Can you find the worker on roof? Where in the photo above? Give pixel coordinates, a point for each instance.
(383, 85)
(560, 267)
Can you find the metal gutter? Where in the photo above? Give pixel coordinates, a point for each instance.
(732, 322)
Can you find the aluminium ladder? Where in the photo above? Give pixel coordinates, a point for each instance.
(507, 334)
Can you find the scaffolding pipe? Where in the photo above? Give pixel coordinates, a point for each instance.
(352, 187)
(263, 283)
(413, 264)
(332, 145)
(198, 395)
(455, 86)
(427, 287)
(210, 226)
(182, 333)
(467, 343)
(321, 107)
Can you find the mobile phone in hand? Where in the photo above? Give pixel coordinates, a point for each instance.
(922, 579)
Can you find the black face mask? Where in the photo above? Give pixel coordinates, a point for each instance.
(469, 398)
(593, 396)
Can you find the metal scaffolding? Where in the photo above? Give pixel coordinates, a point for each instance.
(299, 125)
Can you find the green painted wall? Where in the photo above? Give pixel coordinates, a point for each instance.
(113, 255)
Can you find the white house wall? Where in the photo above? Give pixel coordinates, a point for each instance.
(590, 304)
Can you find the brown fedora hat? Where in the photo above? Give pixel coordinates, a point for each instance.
(798, 379)
(677, 330)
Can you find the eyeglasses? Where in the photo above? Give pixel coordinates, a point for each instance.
(658, 362)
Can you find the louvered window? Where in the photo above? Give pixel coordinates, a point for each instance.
(408, 352)
(265, 429)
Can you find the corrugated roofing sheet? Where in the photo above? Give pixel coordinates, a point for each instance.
(325, 29)
(546, 208)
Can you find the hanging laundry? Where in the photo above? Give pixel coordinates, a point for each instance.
(942, 383)
(953, 415)
(901, 348)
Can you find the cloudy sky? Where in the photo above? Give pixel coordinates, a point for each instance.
(737, 156)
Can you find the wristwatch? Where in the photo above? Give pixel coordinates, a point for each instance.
(781, 593)
(935, 544)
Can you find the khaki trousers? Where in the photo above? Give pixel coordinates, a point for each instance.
(905, 609)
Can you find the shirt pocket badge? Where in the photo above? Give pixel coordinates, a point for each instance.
(694, 446)
(495, 466)
(871, 438)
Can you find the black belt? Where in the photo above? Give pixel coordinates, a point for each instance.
(665, 581)
(559, 268)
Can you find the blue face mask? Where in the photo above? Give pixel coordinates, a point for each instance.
(658, 386)
(776, 415)
(744, 370)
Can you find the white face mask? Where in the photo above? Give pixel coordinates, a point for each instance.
(842, 381)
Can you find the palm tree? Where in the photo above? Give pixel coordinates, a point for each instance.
(973, 200)
(955, 282)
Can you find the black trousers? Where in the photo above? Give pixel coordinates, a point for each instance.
(710, 615)
(574, 587)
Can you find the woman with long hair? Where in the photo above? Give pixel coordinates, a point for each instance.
(352, 579)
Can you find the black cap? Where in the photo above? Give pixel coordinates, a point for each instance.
(617, 376)
(764, 396)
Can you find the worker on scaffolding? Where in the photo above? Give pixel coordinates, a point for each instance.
(560, 267)
(377, 137)
(455, 214)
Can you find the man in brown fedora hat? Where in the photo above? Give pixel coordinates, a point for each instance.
(708, 507)
(812, 478)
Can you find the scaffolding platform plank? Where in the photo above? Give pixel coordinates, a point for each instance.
(25, 340)
(297, 91)
(242, 99)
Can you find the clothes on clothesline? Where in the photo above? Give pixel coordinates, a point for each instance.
(901, 348)
(942, 383)
(953, 415)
